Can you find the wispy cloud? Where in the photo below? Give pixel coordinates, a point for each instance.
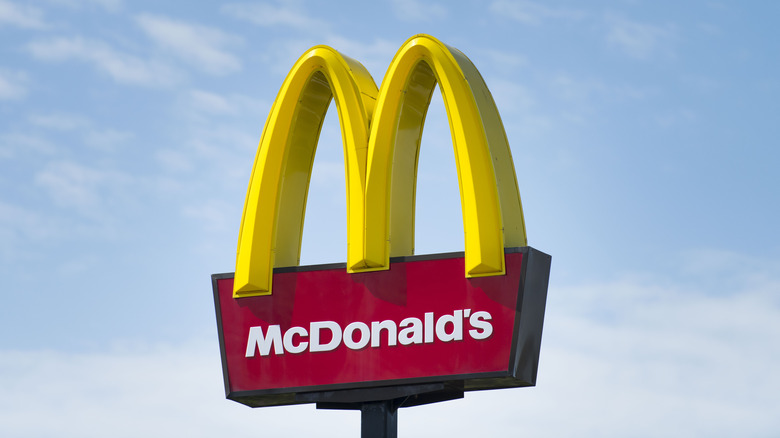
(13, 144)
(266, 14)
(19, 226)
(109, 5)
(202, 47)
(213, 215)
(418, 10)
(120, 66)
(511, 96)
(97, 137)
(106, 139)
(636, 39)
(12, 84)
(509, 60)
(676, 117)
(585, 91)
(374, 54)
(518, 102)
(218, 133)
(59, 121)
(80, 187)
(639, 40)
(23, 16)
(130, 391)
(529, 12)
(198, 103)
(204, 101)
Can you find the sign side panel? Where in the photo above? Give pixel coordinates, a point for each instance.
(530, 321)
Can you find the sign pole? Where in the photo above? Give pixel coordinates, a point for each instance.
(379, 420)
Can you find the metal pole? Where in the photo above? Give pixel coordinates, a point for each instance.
(379, 420)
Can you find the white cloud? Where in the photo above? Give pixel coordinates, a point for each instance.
(575, 89)
(24, 16)
(205, 101)
(18, 227)
(174, 161)
(375, 55)
(13, 144)
(418, 10)
(105, 139)
(280, 56)
(218, 126)
(112, 5)
(583, 91)
(639, 40)
(510, 60)
(529, 12)
(109, 5)
(511, 96)
(201, 103)
(137, 390)
(12, 85)
(213, 215)
(517, 102)
(74, 185)
(267, 15)
(60, 121)
(218, 135)
(676, 117)
(122, 67)
(677, 362)
(201, 46)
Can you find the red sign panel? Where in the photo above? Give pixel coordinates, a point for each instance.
(421, 321)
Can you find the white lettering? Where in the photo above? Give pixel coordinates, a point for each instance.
(288, 340)
(456, 319)
(258, 341)
(411, 331)
(376, 332)
(349, 337)
(428, 327)
(479, 320)
(314, 336)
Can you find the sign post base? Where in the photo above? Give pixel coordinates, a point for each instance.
(379, 406)
(379, 420)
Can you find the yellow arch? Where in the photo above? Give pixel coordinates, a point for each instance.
(490, 200)
(270, 233)
(381, 165)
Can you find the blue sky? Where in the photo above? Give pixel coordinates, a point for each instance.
(645, 139)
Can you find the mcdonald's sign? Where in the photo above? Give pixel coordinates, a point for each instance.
(387, 320)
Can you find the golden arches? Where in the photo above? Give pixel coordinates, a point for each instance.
(381, 164)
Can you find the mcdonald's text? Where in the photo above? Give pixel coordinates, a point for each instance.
(447, 328)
